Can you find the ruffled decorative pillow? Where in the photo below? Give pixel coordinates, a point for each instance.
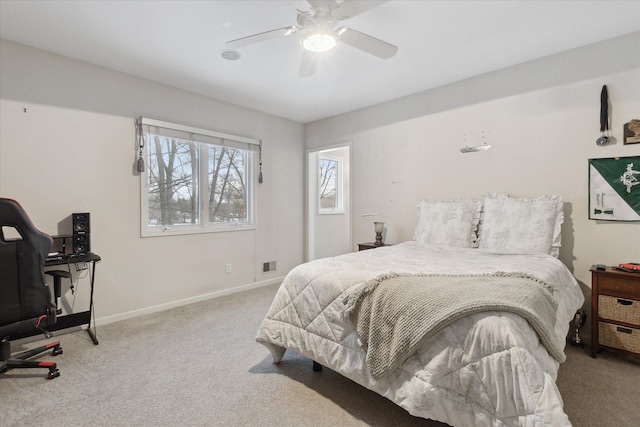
(522, 226)
(448, 222)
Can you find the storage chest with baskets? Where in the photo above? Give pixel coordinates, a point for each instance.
(615, 311)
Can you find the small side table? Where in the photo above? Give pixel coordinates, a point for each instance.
(369, 245)
(615, 311)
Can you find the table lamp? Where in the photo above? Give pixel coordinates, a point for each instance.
(379, 228)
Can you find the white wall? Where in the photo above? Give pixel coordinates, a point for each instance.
(542, 120)
(74, 149)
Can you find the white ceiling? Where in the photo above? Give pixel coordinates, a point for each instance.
(179, 43)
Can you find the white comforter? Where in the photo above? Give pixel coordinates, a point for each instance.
(487, 369)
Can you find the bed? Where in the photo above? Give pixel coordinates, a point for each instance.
(496, 299)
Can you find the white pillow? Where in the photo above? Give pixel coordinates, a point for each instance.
(524, 226)
(448, 222)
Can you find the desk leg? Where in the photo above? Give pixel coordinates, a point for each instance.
(93, 336)
(91, 333)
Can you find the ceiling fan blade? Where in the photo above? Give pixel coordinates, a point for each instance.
(365, 42)
(308, 64)
(350, 8)
(256, 38)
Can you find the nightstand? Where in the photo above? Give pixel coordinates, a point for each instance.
(368, 245)
(615, 311)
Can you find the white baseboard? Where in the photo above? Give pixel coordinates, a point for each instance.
(178, 303)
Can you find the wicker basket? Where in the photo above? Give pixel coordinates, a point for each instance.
(619, 337)
(620, 309)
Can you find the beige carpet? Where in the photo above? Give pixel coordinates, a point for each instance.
(200, 366)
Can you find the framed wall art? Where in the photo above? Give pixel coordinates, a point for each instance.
(614, 189)
(631, 132)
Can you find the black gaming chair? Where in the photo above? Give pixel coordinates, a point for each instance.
(25, 300)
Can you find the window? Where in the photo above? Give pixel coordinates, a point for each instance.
(195, 180)
(330, 185)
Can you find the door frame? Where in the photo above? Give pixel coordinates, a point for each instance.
(312, 194)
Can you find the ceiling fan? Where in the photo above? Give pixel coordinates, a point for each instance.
(321, 31)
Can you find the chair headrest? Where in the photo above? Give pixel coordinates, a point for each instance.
(13, 215)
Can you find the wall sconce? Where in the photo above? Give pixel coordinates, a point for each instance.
(379, 228)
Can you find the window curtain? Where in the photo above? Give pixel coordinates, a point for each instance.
(170, 130)
(146, 126)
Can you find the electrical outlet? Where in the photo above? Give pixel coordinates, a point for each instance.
(268, 266)
(227, 267)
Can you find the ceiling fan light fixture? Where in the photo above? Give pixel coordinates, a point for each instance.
(320, 41)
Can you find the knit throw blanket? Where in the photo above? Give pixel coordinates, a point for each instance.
(394, 314)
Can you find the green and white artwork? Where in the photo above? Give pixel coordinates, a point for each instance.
(614, 189)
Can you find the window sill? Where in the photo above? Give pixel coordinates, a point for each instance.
(177, 231)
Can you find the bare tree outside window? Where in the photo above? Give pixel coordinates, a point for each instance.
(328, 180)
(227, 190)
(174, 184)
(329, 185)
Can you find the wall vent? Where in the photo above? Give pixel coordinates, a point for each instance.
(268, 266)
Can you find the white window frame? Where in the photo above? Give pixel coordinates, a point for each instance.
(204, 226)
(339, 206)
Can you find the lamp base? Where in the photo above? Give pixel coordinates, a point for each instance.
(576, 341)
(379, 229)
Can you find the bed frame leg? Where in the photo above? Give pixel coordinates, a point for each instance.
(316, 366)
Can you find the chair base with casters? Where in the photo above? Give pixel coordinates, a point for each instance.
(20, 360)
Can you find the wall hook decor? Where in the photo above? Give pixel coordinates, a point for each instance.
(604, 117)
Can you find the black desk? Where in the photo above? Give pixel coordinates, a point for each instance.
(75, 319)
